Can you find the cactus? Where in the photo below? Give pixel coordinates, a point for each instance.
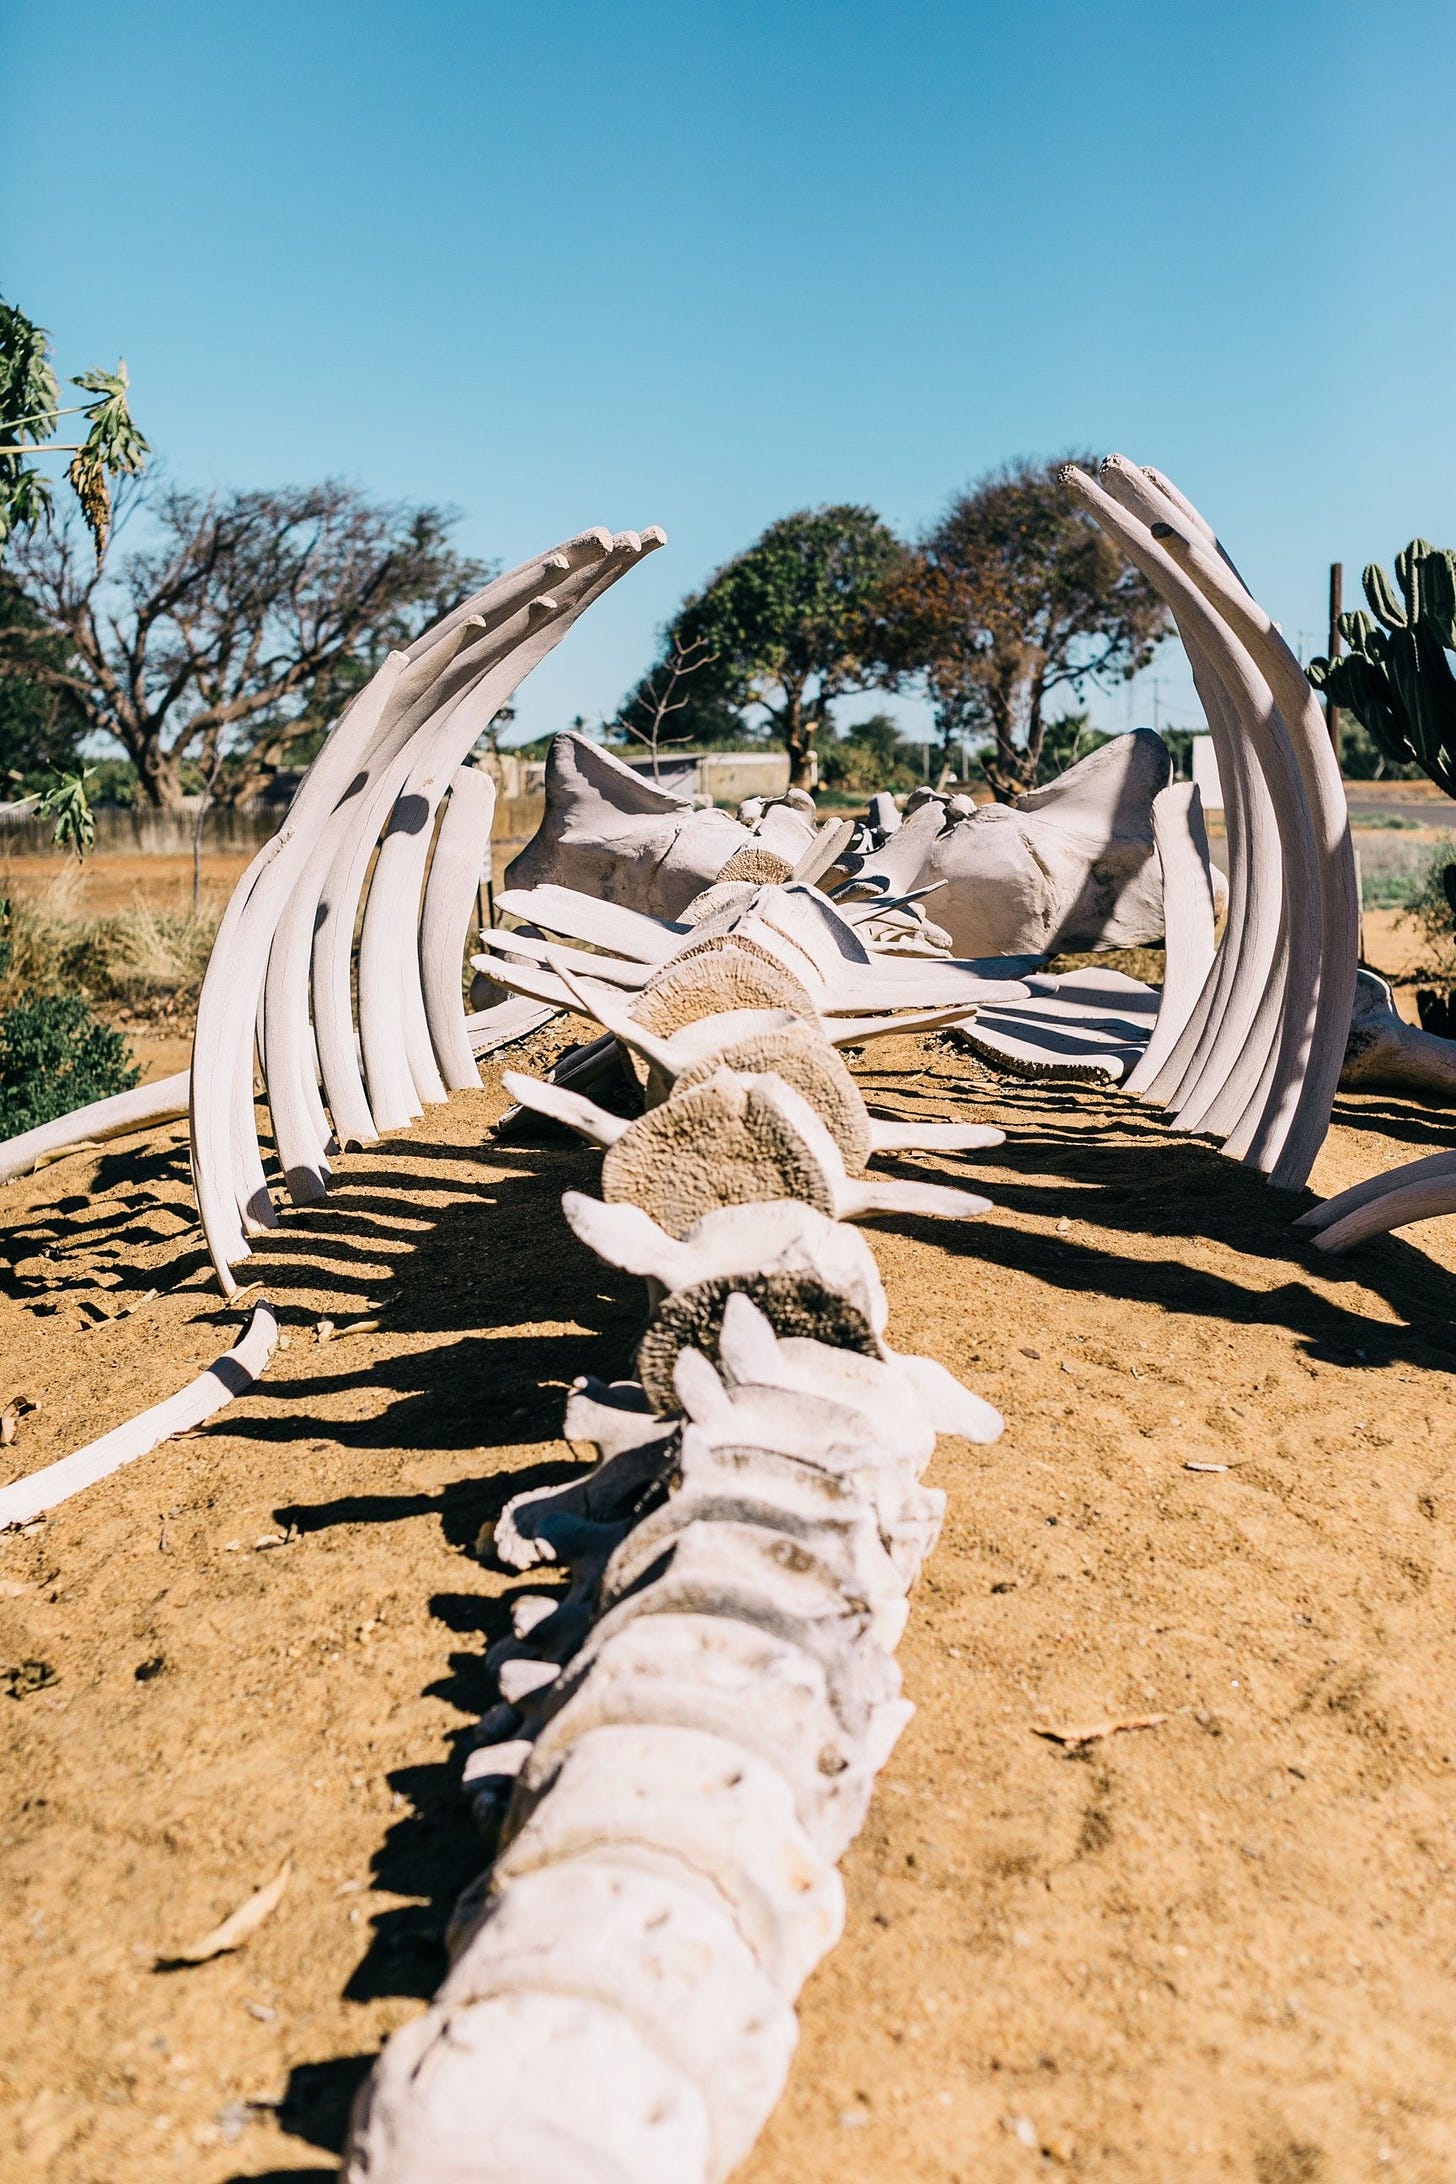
(1396, 678)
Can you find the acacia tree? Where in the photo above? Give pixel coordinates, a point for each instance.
(783, 626)
(236, 629)
(1015, 594)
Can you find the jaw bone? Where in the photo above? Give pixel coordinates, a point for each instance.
(614, 835)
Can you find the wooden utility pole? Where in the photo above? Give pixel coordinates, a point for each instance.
(1337, 597)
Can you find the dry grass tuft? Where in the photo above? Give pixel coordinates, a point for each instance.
(142, 957)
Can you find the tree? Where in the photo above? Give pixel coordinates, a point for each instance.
(238, 631)
(784, 625)
(40, 726)
(30, 414)
(1014, 594)
(664, 696)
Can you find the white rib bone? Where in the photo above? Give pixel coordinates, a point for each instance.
(449, 912)
(122, 1115)
(234, 1371)
(1188, 922)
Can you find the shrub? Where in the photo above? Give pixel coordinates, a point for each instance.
(867, 757)
(55, 1055)
(1429, 907)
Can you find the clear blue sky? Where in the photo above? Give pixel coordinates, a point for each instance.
(699, 264)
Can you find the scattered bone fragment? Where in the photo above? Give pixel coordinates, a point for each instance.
(1387, 1054)
(1095, 1731)
(239, 1928)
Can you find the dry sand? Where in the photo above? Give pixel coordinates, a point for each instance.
(1221, 1947)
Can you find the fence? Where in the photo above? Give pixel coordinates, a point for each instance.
(138, 830)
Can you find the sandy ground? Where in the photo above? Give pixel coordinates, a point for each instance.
(1222, 1947)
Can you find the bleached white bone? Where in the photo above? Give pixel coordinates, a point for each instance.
(122, 1115)
(715, 1573)
(1068, 866)
(760, 1040)
(665, 1956)
(1088, 1023)
(844, 1539)
(785, 1237)
(672, 1154)
(711, 1808)
(234, 1371)
(1189, 910)
(1385, 1053)
(482, 2082)
(449, 911)
(276, 903)
(732, 1679)
(608, 832)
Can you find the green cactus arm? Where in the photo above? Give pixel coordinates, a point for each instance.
(1359, 629)
(1438, 596)
(1381, 595)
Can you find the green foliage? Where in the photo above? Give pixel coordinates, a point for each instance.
(6, 945)
(869, 756)
(113, 784)
(785, 627)
(1396, 678)
(1362, 759)
(1427, 906)
(244, 624)
(1065, 741)
(56, 1054)
(30, 414)
(67, 802)
(41, 725)
(1014, 594)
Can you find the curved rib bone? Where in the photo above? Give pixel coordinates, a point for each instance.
(234, 1371)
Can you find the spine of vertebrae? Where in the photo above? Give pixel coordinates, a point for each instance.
(689, 1728)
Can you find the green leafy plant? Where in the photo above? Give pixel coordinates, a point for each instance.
(67, 803)
(30, 414)
(1396, 677)
(56, 1054)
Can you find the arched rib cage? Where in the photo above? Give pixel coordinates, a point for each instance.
(1257, 1058)
(337, 963)
(688, 1728)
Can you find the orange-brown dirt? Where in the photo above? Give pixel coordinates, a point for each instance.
(1223, 1947)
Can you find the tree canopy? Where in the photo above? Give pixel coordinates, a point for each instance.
(236, 630)
(1015, 594)
(783, 627)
